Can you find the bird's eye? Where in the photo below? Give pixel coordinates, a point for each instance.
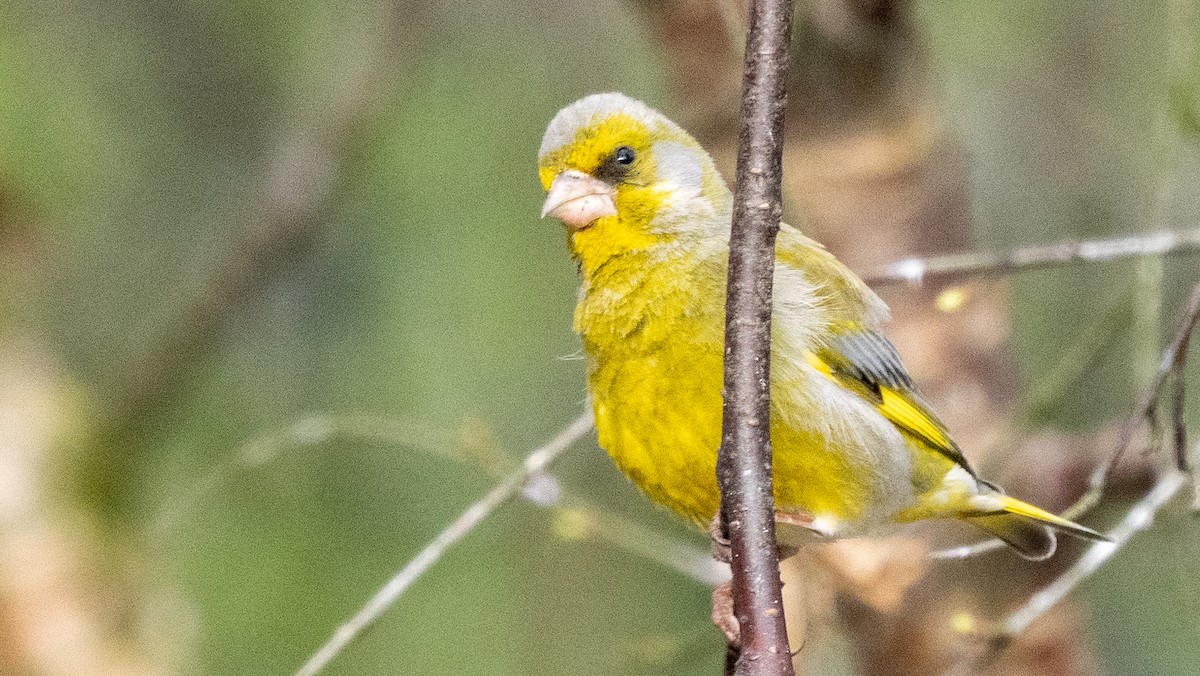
(616, 165)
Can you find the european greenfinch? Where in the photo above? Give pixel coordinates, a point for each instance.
(856, 449)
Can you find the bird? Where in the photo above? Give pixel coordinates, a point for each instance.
(857, 451)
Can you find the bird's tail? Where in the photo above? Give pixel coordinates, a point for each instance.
(1029, 530)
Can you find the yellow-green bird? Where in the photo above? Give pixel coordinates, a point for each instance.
(856, 449)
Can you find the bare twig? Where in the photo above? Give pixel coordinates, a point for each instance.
(472, 445)
(678, 555)
(1173, 360)
(1178, 359)
(1171, 366)
(1140, 515)
(264, 448)
(918, 271)
(1179, 426)
(744, 460)
(1138, 518)
(534, 464)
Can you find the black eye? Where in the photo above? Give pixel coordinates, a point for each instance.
(616, 166)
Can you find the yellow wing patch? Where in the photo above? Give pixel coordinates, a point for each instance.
(819, 364)
(912, 417)
(902, 409)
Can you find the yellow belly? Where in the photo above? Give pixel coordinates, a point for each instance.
(659, 416)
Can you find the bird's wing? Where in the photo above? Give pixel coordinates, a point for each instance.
(857, 355)
(846, 298)
(866, 363)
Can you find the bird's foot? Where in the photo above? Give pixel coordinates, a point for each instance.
(722, 614)
(722, 551)
(722, 596)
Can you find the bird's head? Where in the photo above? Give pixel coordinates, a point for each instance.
(623, 177)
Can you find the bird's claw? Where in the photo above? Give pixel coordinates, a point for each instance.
(722, 614)
(721, 550)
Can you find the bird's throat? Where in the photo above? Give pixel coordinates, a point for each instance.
(608, 238)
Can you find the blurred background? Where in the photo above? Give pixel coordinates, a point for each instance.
(275, 306)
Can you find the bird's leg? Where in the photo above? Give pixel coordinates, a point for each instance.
(722, 596)
(722, 552)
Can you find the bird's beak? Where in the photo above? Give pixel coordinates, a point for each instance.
(579, 200)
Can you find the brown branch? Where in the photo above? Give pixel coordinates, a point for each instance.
(744, 460)
(918, 271)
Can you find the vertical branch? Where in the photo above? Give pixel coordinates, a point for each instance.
(744, 462)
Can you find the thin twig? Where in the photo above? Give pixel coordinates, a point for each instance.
(676, 554)
(1178, 393)
(471, 444)
(534, 464)
(744, 459)
(1171, 365)
(1178, 424)
(918, 271)
(1050, 387)
(1174, 358)
(1138, 518)
(265, 448)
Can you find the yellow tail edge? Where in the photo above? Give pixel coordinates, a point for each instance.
(1028, 511)
(1028, 529)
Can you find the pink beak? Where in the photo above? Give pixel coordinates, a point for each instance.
(579, 200)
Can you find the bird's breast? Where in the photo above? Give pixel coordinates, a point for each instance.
(654, 339)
